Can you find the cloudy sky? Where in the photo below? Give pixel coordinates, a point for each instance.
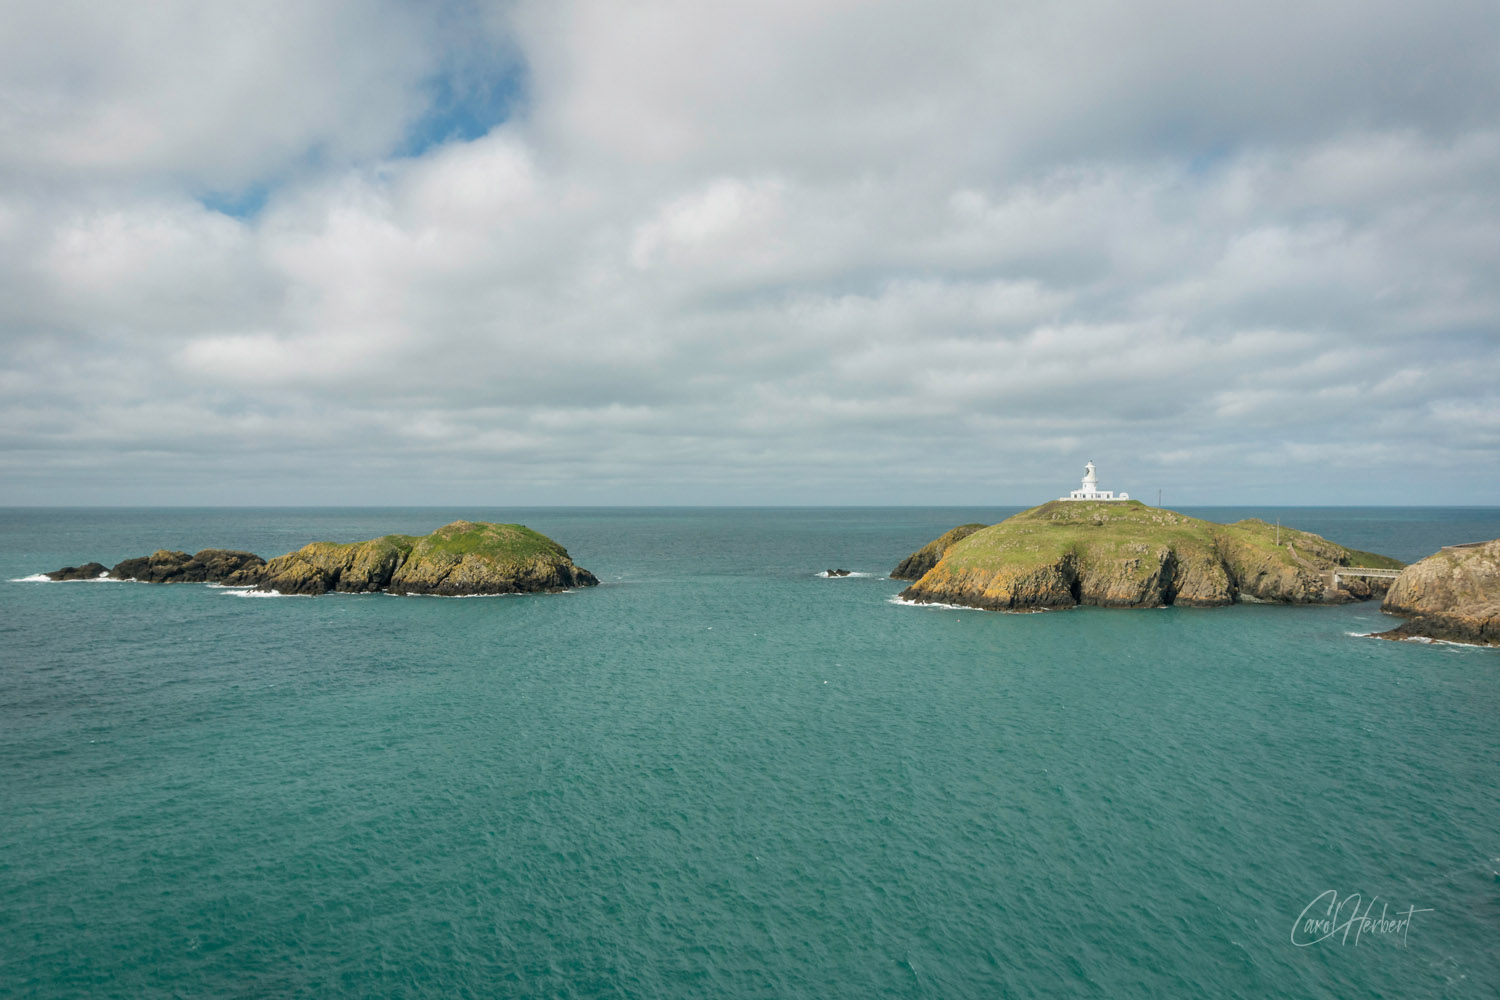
(780, 251)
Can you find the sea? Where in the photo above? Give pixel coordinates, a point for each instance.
(722, 774)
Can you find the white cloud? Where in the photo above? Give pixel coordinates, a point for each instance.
(212, 95)
(728, 221)
(778, 252)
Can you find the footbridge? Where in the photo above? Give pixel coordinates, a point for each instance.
(1365, 571)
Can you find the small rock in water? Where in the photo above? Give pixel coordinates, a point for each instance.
(838, 572)
(88, 571)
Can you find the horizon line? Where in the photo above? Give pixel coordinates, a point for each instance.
(714, 506)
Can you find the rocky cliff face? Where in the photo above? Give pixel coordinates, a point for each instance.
(460, 559)
(1128, 555)
(1453, 594)
(468, 558)
(916, 565)
(353, 568)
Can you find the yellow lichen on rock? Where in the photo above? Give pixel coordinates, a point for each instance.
(459, 559)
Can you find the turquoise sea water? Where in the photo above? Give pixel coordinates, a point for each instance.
(720, 775)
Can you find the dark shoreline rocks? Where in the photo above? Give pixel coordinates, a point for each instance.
(461, 559)
(1479, 626)
(88, 571)
(207, 566)
(1452, 595)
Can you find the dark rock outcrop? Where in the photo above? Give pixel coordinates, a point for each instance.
(1477, 625)
(836, 572)
(88, 571)
(207, 566)
(1453, 595)
(1364, 588)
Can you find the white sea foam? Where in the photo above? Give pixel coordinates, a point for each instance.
(44, 578)
(33, 578)
(1452, 642)
(237, 592)
(461, 597)
(1424, 640)
(898, 599)
(830, 576)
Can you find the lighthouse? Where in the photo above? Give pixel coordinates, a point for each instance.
(1090, 488)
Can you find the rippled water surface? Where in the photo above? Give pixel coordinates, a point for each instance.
(722, 775)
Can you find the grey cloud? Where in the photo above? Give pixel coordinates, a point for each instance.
(953, 83)
(774, 253)
(212, 96)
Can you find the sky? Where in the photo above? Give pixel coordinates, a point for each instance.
(770, 252)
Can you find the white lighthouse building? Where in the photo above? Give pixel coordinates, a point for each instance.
(1090, 488)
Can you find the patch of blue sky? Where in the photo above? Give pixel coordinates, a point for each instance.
(464, 107)
(245, 203)
(1210, 159)
(460, 108)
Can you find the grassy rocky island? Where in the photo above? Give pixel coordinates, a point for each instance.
(1124, 554)
(461, 559)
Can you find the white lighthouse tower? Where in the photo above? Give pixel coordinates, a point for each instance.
(1090, 488)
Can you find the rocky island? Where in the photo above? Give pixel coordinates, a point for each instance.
(1452, 595)
(1124, 554)
(465, 558)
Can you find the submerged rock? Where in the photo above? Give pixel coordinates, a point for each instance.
(1453, 595)
(1128, 555)
(836, 572)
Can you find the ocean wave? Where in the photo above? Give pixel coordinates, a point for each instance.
(251, 592)
(1425, 640)
(898, 599)
(44, 578)
(1444, 642)
(830, 576)
(462, 597)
